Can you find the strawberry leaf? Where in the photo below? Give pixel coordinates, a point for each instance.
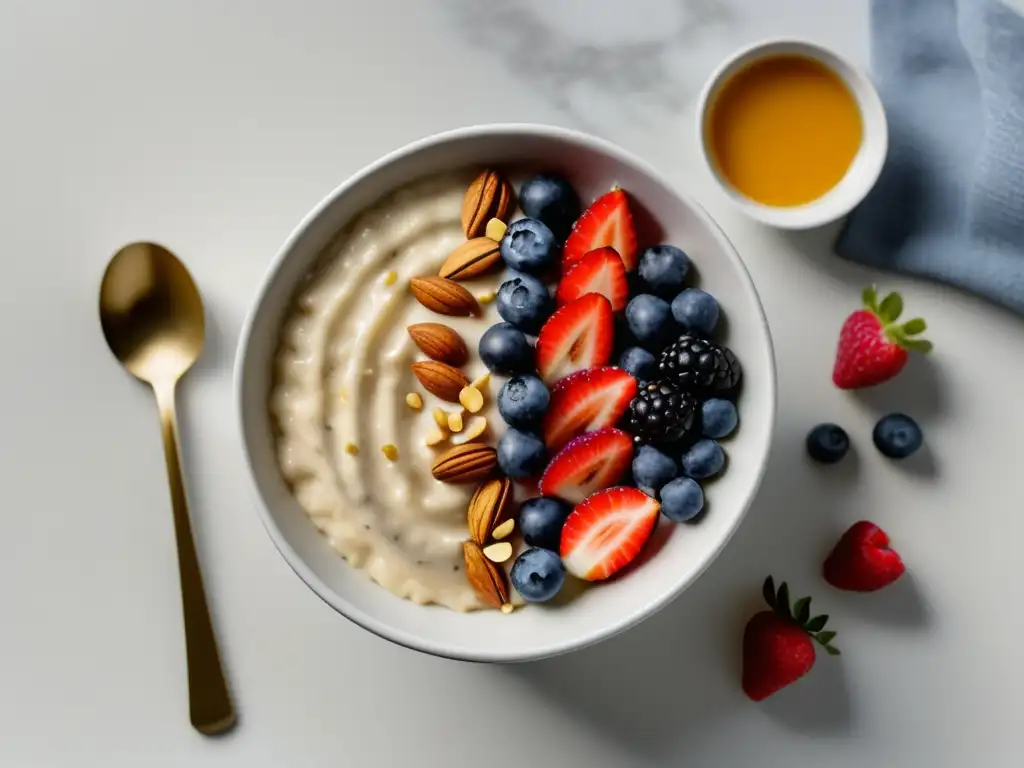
(831, 650)
(914, 327)
(891, 308)
(817, 623)
(870, 298)
(768, 590)
(824, 637)
(783, 601)
(917, 345)
(802, 610)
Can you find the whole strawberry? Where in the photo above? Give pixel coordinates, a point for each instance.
(873, 347)
(861, 561)
(778, 645)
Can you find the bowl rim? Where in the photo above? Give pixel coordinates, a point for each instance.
(295, 561)
(844, 196)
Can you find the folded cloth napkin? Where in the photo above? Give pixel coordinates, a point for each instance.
(949, 204)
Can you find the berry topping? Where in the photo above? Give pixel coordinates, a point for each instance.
(586, 401)
(660, 413)
(682, 499)
(663, 269)
(590, 462)
(523, 401)
(599, 271)
(537, 575)
(652, 469)
(696, 311)
(578, 336)
(897, 436)
(862, 560)
(650, 320)
(607, 531)
(551, 199)
(705, 458)
(608, 221)
(777, 644)
(529, 246)
(541, 520)
(505, 349)
(524, 301)
(827, 443)
(699, 365)
(521, 454)
(718, 418)
(639, 362)
(873, 347)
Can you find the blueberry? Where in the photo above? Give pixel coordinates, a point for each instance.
(529, 246)
(682, 499)
(639, 362)
(521, 454)
(652, 469)
(551, 199)
(537, 575)
(827, 443)
(522, 401)
(696, 310)
(704, 459)
(540, 521)
(663, 269)
(525, 302)
(718, 418)
(505, 349)
(897, 436)
(650, 320)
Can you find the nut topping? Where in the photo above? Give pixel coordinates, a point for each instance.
(490, 196)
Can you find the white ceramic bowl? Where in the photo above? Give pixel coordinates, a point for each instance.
(679, 553)
(866, 165)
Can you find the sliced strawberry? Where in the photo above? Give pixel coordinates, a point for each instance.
(599, 271)
(577, 336)
(586, 401)
(592, 461)
(604, 533)
(608, 221)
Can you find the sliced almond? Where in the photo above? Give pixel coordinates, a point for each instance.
(414, 401)
(390, 451)
(351, 449)
(471, 399)
(498, 552)
(455, 421)
(444, 296)
(487, 298)
(473, 258)
(440, 379)
(507, 608)
(439, 342)
(435, 437)
(496, 229)
(465, 463)
(391, 278)
(482, 382)
(490, 196)
(477, 427)
(485, 577)
(440, 418)
(504, 530)
(488, 508)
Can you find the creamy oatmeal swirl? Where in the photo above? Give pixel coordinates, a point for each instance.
(341, 376)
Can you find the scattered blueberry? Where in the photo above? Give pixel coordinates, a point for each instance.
(537, 575)
(652, 469)
(704, 459)
(540, 521)
(505, 349)
(639, 362)
(525, 302)
(551, 199)
(696, 310)
(650, 320)
(663, 269)
(897, 436)
(827, 443)
(522, 401)
(529, 246)
(682, 499)
(718, 418)
(521, 454)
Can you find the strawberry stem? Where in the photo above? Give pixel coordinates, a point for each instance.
(888, 312)
(778, 601)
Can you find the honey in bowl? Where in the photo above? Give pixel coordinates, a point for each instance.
(784, 130)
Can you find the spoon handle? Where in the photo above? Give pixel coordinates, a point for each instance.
(210, 707)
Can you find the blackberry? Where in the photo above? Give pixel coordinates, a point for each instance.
(698, 365)
(660, 413)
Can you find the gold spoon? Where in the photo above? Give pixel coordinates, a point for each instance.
(152, 318)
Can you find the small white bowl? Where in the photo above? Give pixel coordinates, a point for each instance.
(866, 165)
(677, 555)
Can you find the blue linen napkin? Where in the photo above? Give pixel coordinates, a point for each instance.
(949, 204)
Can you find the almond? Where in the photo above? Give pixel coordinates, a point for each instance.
(487, 508)
(444, 296)
(465, 463)
(439, 342)
(471, 259)
(485, 577)
(489, 196)
(440, 379)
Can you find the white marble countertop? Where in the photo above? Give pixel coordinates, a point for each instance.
(213, 126)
